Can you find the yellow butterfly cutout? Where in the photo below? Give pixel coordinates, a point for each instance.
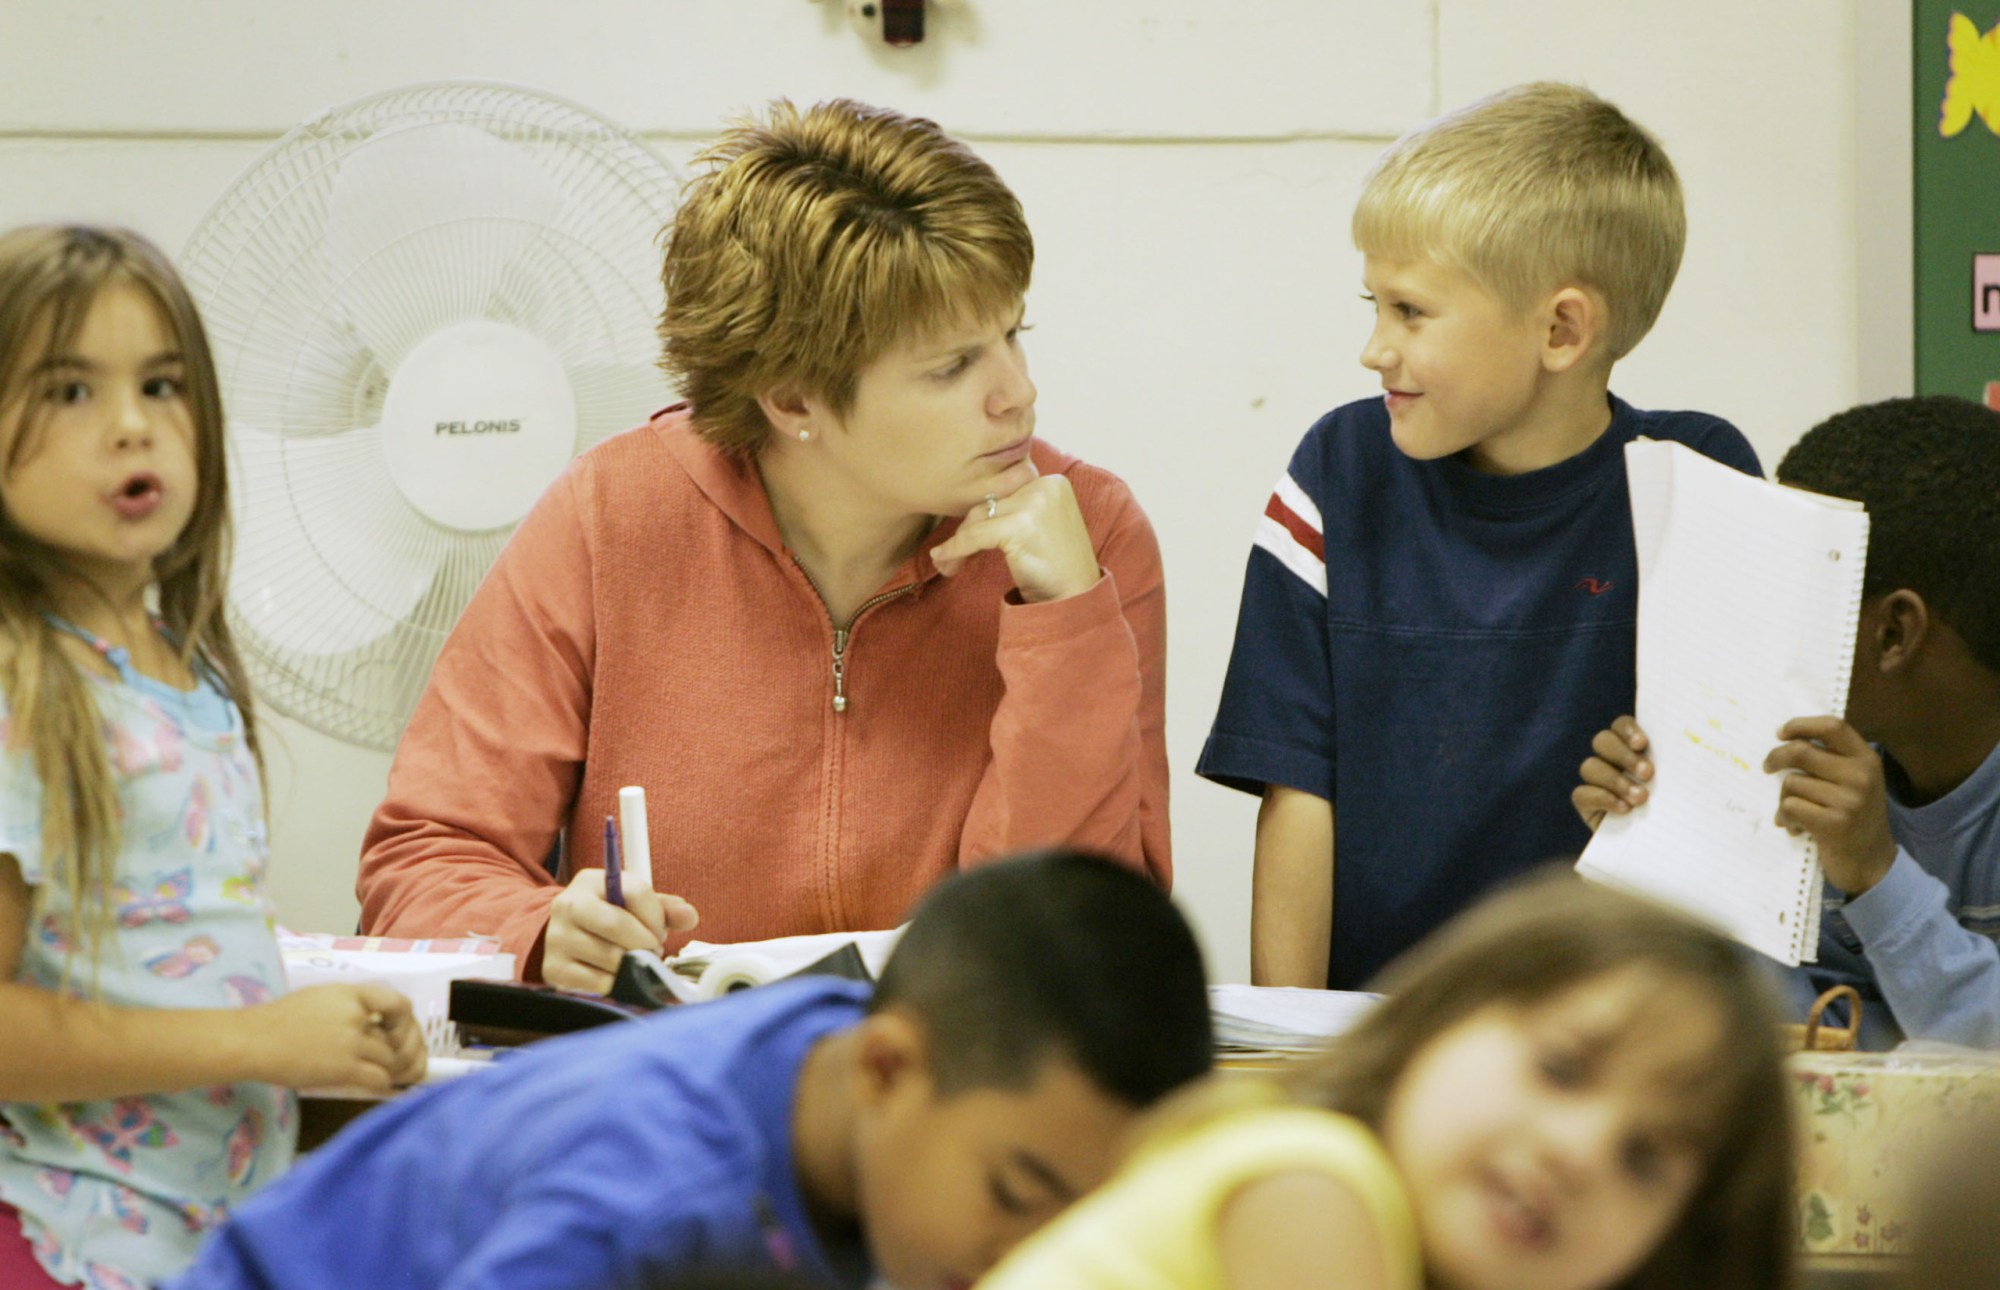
(1975, 77)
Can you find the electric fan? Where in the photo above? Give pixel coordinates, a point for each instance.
(422, 305)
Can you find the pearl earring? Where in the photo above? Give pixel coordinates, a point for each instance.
(804, 435)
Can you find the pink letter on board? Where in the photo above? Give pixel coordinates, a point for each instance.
(1986, 293)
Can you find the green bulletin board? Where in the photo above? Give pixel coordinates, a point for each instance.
(1956, 120)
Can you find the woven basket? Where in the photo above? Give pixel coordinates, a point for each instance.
(1812, 1037)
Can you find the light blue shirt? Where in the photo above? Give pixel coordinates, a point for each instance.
(1920, 944)
(119, 1193)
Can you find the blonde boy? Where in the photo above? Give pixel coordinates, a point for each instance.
(1439, 609)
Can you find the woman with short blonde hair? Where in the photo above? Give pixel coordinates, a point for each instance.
(841, 613)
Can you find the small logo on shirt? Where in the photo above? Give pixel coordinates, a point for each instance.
(1593, 586)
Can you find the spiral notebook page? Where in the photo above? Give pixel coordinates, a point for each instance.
(1749, 595)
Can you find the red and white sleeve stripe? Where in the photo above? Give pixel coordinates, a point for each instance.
(1290, 529)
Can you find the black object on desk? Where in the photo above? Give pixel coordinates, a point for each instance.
(510, 1012)
(845, 962)
(638, 986)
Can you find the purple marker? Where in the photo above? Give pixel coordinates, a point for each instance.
(777, 1241)
(614, 877)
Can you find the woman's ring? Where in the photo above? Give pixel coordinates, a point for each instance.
(992, 506)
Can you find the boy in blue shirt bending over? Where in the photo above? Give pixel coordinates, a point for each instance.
(1903, 796)
(1440, 607)
(1028, 1012)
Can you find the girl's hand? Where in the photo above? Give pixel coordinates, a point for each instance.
(1616, 775)
(326, 1036)
(587, 934)
(1040, 531)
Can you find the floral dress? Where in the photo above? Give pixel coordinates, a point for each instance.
(119, 1193)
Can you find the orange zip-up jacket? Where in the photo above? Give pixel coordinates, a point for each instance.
(646, 625)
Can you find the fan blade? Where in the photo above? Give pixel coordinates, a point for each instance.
(611, 397)
(422, 222)
(304, 377)
(328, 555)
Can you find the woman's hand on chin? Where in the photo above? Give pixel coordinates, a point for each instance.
(1040, 532)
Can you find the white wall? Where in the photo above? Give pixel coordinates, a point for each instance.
(1188, 168)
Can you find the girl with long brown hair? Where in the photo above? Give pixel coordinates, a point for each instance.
(148, 1040)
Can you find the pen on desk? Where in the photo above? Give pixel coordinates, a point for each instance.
(614, 878)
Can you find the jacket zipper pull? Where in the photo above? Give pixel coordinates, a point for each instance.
(839, 669)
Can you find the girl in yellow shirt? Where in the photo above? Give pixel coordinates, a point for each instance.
(1565, 1089)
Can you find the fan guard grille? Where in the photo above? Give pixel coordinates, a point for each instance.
(359, 235)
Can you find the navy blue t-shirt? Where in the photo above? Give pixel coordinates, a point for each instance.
(614, 1158)
(1431, 648)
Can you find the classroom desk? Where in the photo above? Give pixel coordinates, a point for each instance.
(1850, 1272)
(323, 1112)
(321, 1115)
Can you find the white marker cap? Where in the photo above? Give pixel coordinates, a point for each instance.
(633, 843)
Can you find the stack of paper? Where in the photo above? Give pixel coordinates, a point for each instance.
(1281, 1019)
(422, 970)
(784, 955)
